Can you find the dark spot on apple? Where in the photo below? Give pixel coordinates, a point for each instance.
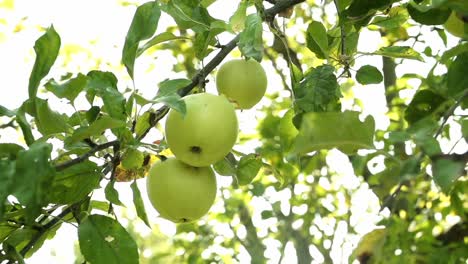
(184, 220)
(195, 149)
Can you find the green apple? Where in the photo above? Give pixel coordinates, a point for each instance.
(179, 192)
(457, 25)
(206, 133)
(242, 81)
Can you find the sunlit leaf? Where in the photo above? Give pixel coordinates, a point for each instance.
(111, 194)
(432, 16)
(424, 103)
(317, 40)
(144, 24)
(160, 38)
(226, 166)
(371, 245)
(402, 52)
(48, 121)
(342, 130)
(104, 85)
(318, 91)
(74, 183)
(70, 89)
(251, 40)
(456, 76)
(138, 202)
(446, 171)
(248, 168)
(46, 48)
(104, 240)
(237, 20)
(96, 128)
(394, 19)
(169, 87)
(33, 177)
(368, 74)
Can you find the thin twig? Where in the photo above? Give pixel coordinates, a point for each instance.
(88, 154)
(44, 229)
(449, 113)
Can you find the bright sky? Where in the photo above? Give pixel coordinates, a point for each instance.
(105, 23)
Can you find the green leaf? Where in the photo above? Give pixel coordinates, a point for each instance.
(456, 76)
(46, 48)
(423, 104)
(432, 16)
(7, 173)
(342, 130)
(70, 89)
(319, 91)
(394, 19)
(189, 14)
(160, 38)
(48, 121)
(6, 112)
(9, 150)
(170, 87)
(104, 85)
(287, 130)
(317, 39)
(111, 194)
(237, 20)
(248, 168)
(33, 177)
(464, 128)
(138, 202)
(371, 246)
(24, 124)
(143, 123)
(20, 238)
(401, 52)
(362, 8)
(446, 171)
(368, 74)
(251, 40)
(103, 240)
(132, 159)
(174, 101)
(74, 183)
(96, 128)
(226, 166)
(144, 24)
(453, 52)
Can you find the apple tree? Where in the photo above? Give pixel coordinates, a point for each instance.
(359, 149)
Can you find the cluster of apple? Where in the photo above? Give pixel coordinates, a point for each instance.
(183, 188)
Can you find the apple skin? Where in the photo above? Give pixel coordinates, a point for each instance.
(179, 192)
(207, 132)
(242, 81)
(456, 26)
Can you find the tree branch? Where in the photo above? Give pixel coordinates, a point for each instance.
(88, 154)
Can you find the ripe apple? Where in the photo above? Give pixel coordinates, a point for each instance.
(179, 192)
(206, 133)
(457, 25)
(242, 81)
